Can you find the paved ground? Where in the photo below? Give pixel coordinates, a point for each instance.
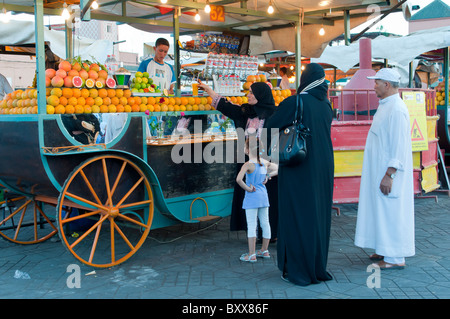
(201, 262)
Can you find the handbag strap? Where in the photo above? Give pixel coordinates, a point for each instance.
(296, 109)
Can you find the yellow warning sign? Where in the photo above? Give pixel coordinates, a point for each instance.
(415, 101)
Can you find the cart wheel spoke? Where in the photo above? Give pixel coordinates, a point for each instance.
(108, 187)
(31, 227)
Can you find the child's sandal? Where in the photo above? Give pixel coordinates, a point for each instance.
(248, 258)
(263, 254)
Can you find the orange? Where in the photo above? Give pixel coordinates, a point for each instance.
(151, 100)
(144, 100)
(73, 101)
(98, 101)
(150, 107)
(127, 108)
(197, 100)
(188, 107)
(208, 107)
(201, 107)
(115, 100)
(184, 101)
(50, 109)
(35, 109)
(195, 107)
(70, 109)
(127, 93)
(142, 107)
(76, 92)
(157, 108)
(87, 109)
(81, 101)
(67, 92)
(63, 100)
(131, 100)
(191, 100)
(119, 93)
(95, 109)
(60, 109)
(170, 108)
(135, 108)
(177, 101)
(164, 108)
(123, 100)
(177, 108)
(111, 93)
(85, 93)
(93, 93)
(137, 100)
(90, 101)
(209, 99)
(171, 101)
(120, 108)
(102, 93)
(112, 108)
(104, 109)
(33, 102)
(203, 100)
(52, 100)
(56, 91)
(106, 101)
(79, 109)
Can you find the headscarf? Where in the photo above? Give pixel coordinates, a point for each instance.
(312, 81)
(266, 104)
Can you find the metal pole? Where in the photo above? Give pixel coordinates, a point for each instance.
(176, 50)
(298, 50)
(40, 55)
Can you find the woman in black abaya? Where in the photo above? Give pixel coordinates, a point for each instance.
(254, 114)
(305, 192)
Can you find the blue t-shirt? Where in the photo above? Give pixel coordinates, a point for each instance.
(259, 197)
(161, 74)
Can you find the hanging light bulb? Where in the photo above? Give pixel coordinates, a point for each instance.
(197, 16)
(94, 5)
(65, 14)
(322, 31)
(207, 7)
(270, 8)
(163, 1)
(5, 16)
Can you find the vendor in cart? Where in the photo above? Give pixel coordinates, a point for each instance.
(159, 71)
(253, 114)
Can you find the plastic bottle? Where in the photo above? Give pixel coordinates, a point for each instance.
(220, 64)
(207, 73)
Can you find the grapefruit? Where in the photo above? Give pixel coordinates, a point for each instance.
(57, 81)
(50, 73)
(111, 83)
(68, 81)
(61, 73)
(83, 74)
(65, 65)
(77, 81)
(100, 83)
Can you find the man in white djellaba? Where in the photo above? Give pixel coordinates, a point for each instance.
(385, 220)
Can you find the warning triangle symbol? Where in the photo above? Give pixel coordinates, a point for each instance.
(416, 134)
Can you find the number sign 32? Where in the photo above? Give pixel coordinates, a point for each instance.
(217, 13)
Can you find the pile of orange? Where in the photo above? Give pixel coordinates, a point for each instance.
(67, 100)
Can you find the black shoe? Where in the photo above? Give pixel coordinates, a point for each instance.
(284, 277)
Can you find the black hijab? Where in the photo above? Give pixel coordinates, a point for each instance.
(312, 81)
(266, 104)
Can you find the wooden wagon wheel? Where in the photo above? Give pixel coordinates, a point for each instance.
(111, 211)
(23, 221)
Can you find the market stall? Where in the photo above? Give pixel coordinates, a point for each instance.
(132, 181)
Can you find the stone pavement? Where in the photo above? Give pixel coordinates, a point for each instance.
(201, 261)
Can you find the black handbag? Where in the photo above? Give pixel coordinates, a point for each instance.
(291, 144)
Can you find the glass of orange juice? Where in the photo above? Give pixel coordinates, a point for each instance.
(194, 88)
